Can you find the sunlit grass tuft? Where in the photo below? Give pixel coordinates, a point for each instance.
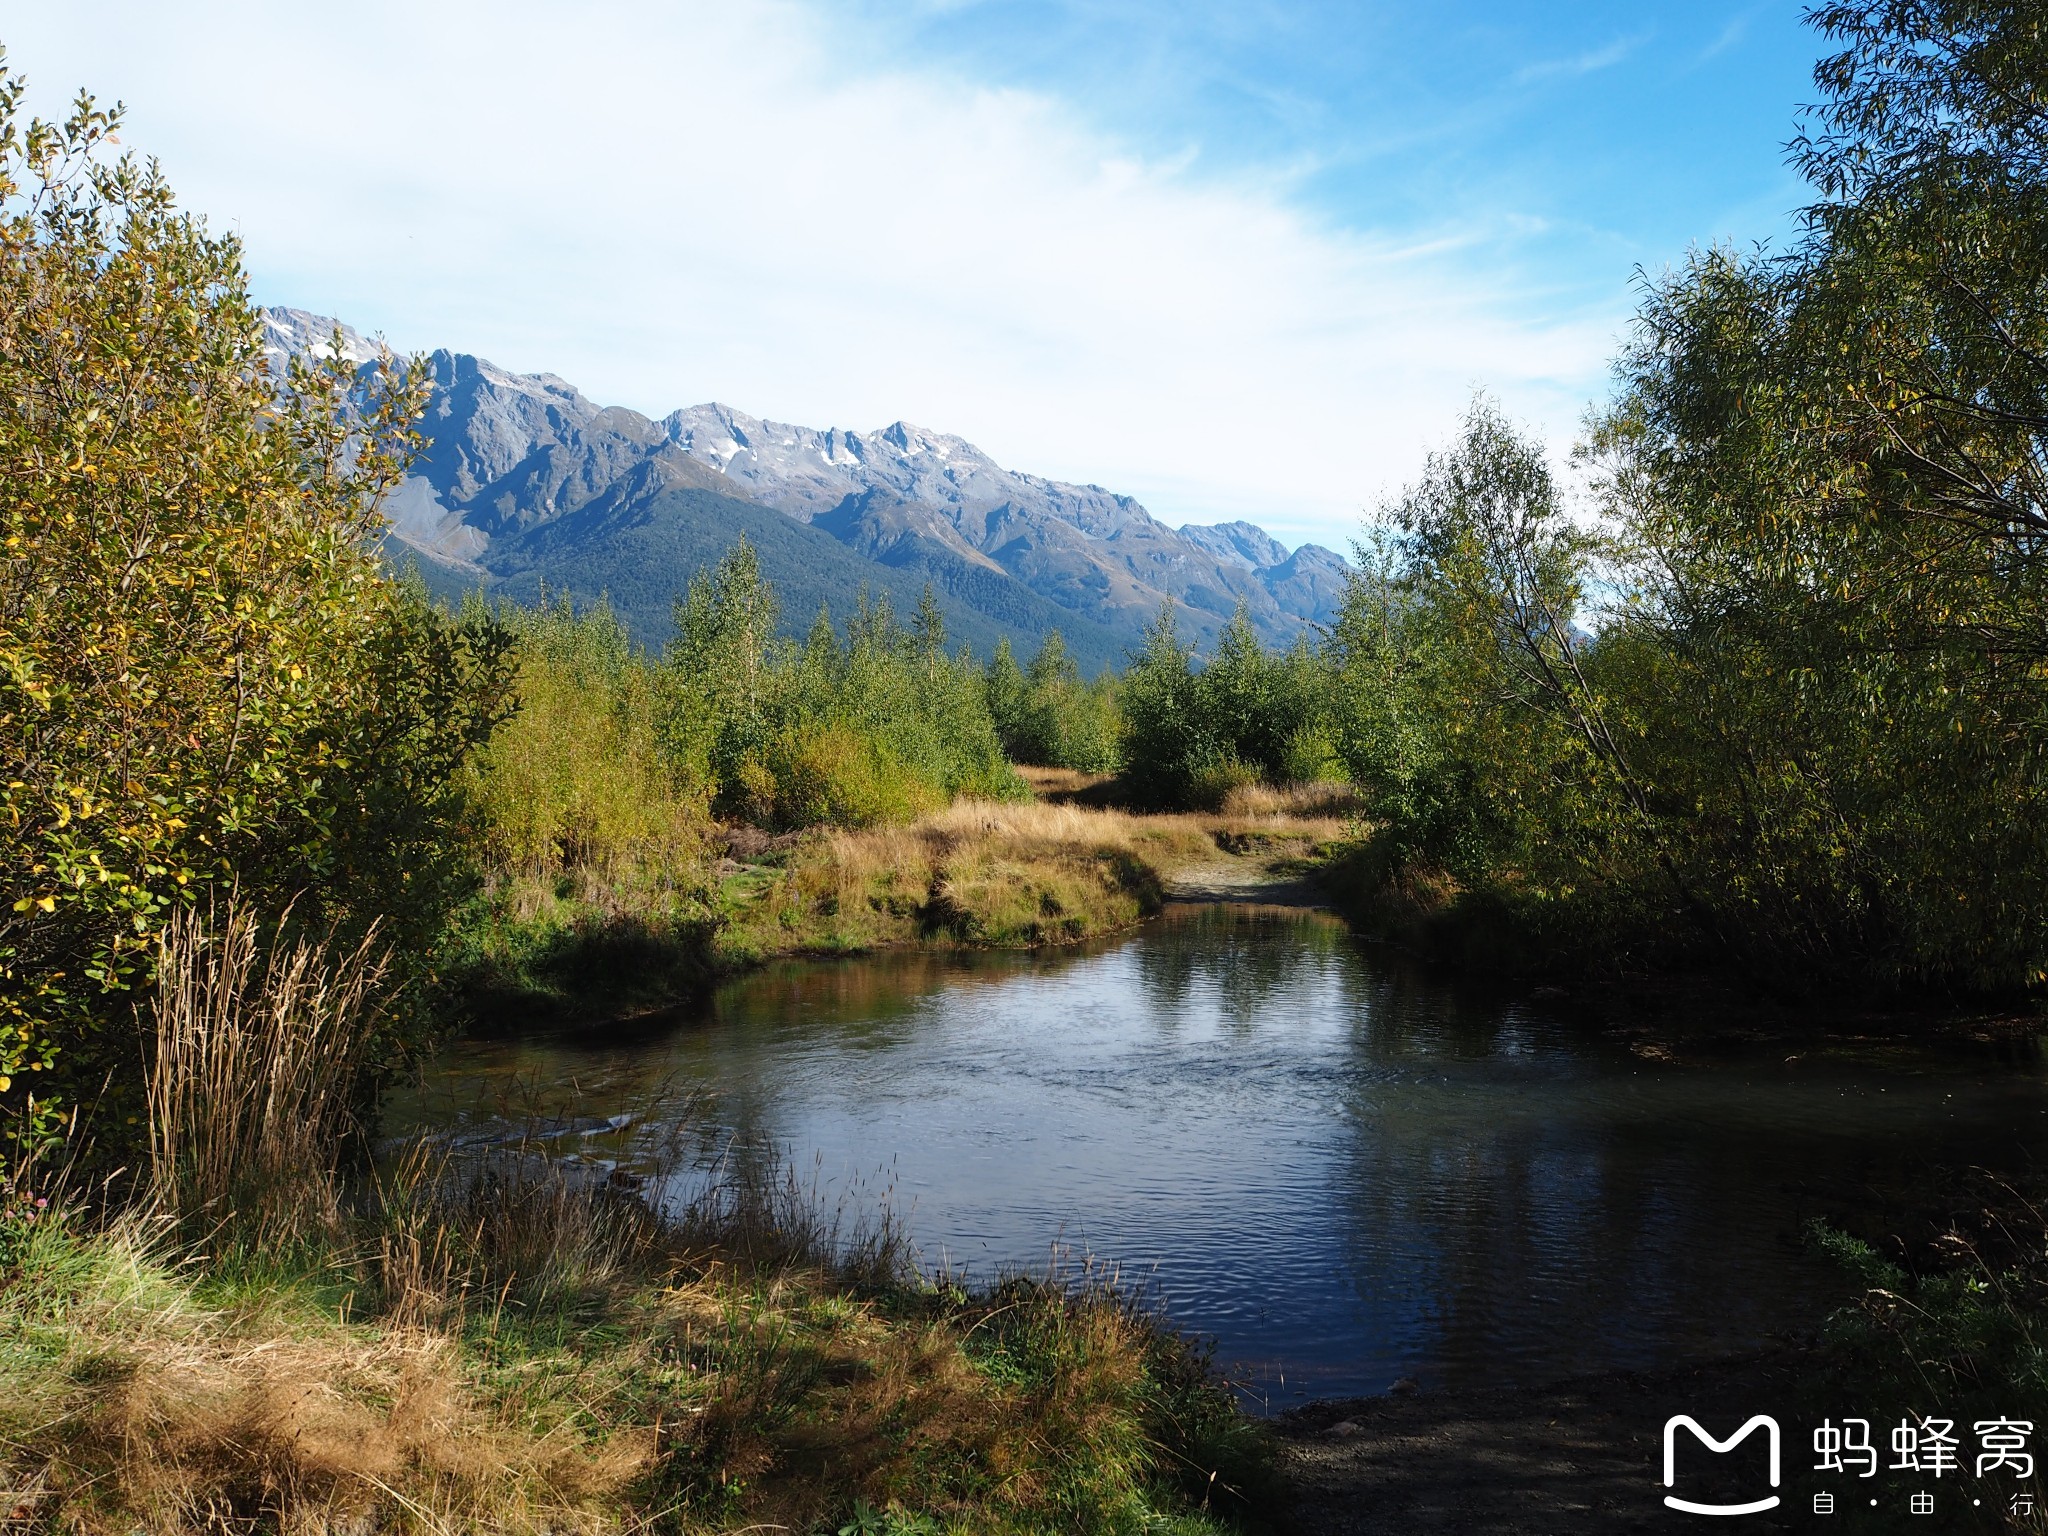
(513, 1343)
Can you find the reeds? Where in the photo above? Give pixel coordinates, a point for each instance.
(253, 1069)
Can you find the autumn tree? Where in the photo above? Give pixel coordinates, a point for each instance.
(208, 681)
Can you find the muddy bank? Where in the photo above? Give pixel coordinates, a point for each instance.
(1583, 1456)
(1249, 881)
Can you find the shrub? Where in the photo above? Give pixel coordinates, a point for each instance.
(1046, 715)
(579, 778)
(833, 774)
(1191, 736)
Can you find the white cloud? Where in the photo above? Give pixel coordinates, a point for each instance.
(667, 204)
(1586, 63)
(1730, 35)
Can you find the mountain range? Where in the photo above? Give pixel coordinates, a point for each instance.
(527, 485)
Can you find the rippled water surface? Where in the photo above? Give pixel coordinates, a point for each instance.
(1341, 1171)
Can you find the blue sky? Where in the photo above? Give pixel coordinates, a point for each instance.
(1585, 138)
(1236, 259)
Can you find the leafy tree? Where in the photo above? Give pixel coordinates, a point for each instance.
(1466, 707)
(1809, 736)
(1004, 689)
(578, 780)
(1191, 735)
(1830, 470)
(1268, 712)
(929, 624)
(207, 682)
(1167, 742)
(1046, 714)
(718, 667)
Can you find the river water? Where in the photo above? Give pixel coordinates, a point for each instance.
(1340, 1170)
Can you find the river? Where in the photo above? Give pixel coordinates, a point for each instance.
(1341, 1170)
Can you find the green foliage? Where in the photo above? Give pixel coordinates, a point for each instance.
(578, 778)
(593, 837)
(206, 681)
(1808, 737)
(872, 729)
(1166, 737)
(1968, 1338)
(1830, 464)
(1190, 736)
(1466, 703)
(1046, 715)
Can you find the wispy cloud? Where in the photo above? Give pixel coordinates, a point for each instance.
(1730, 35)
(1586, 63)
(667, 204)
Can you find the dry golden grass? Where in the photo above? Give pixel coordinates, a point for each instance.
(253, 1062)
(134, 1406)
(1320, 803)
(978, 872)
(1062, 869)
(1058, 784)
(566, 1361)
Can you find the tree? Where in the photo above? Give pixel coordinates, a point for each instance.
(1463, 704)
(1830, 468)
(928, 626)
(207, 681)
(1003, 688)
(1925, 269)
(717, 669)
(1166, 739)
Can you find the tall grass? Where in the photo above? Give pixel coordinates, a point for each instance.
(1958, 1330)
(252, 1075)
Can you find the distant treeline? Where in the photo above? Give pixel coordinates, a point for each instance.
(612, 747)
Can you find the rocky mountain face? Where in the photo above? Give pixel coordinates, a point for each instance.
(1088, 549)
(527, 482)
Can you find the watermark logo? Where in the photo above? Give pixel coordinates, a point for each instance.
(1679, 1421)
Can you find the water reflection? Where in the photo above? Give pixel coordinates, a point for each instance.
(1344, 1170)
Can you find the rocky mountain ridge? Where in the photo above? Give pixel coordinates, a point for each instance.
(527, 480)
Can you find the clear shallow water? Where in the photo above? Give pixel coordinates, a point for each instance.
(1343, 1172)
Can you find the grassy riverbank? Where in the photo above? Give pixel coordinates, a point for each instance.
(524, 1353)
(517, 1344)
(977, 873)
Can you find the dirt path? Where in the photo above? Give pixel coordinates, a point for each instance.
(1583, 1457)
(1245, 879)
